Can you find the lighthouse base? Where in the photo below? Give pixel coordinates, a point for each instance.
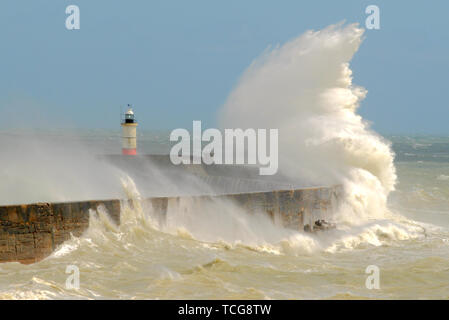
(130, 152)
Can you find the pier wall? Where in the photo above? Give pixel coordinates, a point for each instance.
(29, 233)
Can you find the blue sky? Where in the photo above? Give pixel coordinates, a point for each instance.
(177, 61)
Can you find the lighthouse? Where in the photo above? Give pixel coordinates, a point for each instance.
(129, 132)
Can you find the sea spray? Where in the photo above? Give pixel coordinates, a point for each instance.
(53, 167)
(304, 88)
(221, 222)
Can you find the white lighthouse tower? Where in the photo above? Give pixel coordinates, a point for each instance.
(129, 133)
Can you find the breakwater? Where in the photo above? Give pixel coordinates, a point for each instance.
(29, 233)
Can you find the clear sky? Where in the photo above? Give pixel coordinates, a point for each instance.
(177, 61)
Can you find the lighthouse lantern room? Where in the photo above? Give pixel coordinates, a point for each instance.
(129, 132)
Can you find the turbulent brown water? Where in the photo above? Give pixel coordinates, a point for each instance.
(395, 215)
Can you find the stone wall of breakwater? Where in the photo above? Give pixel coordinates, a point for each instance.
(29, 233)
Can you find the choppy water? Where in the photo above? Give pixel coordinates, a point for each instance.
(222, 253)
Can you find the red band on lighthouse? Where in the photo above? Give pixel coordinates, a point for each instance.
(129, 152)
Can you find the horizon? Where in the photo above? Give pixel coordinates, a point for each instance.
(87, 130)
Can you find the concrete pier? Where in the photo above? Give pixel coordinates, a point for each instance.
(29, 233)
